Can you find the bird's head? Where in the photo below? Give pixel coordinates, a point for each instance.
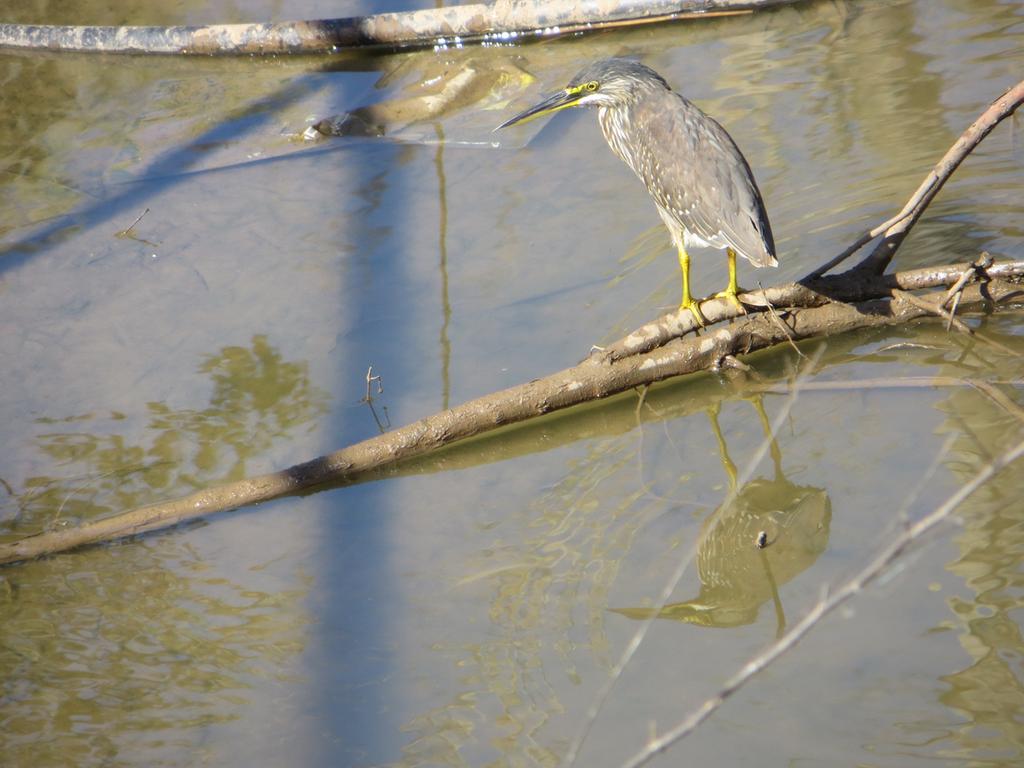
(607, 83)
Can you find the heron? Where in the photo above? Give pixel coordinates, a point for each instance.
(701, 183)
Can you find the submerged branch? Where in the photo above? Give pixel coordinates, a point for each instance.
(504, 21)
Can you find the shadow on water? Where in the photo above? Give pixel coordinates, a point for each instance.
(352, 556)
(166, 170)
(172, 166)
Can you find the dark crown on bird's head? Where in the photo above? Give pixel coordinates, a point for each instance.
(613, 81)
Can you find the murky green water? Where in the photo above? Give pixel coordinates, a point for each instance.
(468, 610)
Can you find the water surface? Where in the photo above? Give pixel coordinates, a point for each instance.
(467, 610)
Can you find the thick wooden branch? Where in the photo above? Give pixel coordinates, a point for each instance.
(503, 21)
(590, 380)
(850, 287)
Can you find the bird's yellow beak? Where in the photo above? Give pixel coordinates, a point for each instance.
(568, 97)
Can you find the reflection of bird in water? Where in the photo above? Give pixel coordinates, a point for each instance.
(737, 575)
(700, 181)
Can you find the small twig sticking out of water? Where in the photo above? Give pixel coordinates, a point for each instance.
(370, 379)
(825, 605)
(983, 262)
(382, 424)
(127, 234)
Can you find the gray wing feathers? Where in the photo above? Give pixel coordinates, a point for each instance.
(703, 181)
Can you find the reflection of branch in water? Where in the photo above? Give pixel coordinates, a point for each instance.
(738, 575)
(258, 397)
(780, 613)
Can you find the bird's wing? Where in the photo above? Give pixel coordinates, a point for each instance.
(704, 180)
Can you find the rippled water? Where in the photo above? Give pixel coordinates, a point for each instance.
(468, 609)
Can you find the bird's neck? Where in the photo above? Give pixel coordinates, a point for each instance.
(615, 125)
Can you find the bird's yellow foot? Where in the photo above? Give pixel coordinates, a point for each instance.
(732, 296)
(694, 307)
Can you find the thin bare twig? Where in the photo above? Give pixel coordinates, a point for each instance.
(383, 424)
(956, 291)
(983, 262)
(934, 308)
(952, 310)
(128, 234)
(826, 605)
(127, 231)
(778, 321)
(370, 379)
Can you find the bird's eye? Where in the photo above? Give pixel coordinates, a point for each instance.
(591, 86)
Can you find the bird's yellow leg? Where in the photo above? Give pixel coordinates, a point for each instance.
(723, 450)
(688, 302)
(731, 294)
